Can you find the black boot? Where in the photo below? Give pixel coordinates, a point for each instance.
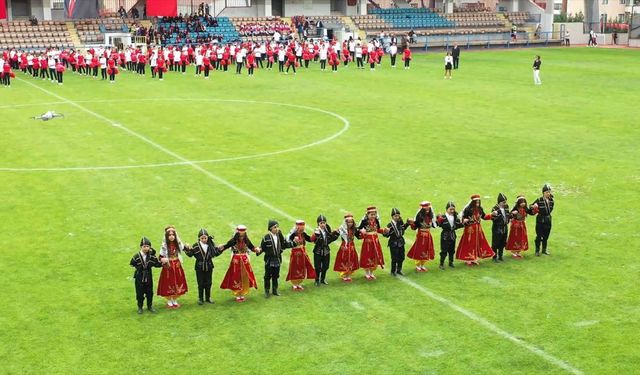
(140, 310)
(207, 295)
(500, 253)
(399, 269)
(267, 286)
(537, 242)
(275, 287)
(323, 276)
(200, 294)
(544, 249)
(495, 257)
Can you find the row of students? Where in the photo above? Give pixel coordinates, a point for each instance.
(240, 277)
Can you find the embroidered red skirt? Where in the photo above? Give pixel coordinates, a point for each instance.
(172, 281)
(239, 276)
(300, 267)
(371, 252)
(422, 249)
(518, 240)
(473, 244)
(347, 258)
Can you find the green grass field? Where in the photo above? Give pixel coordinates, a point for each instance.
(234, 150)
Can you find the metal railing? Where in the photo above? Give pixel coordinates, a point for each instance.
(489, 40)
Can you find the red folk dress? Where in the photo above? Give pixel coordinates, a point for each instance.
(239, 277)
(172, 280)
(300, 266)
(347, 257)
(518, 240)
(371, 252)
(473, 244)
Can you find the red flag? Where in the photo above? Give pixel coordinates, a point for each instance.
(161, 8)
(3, 9)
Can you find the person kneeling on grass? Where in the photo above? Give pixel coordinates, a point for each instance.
(203, 251)
(144, 261)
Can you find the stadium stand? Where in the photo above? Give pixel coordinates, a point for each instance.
(93, 30)
(518, 18)
(260, 27)
(412, 18)
(24, 36)
(179, 31)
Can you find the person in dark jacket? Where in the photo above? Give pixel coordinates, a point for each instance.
(272, 245)
(144, 261)
(204, 251)
(396, 242)
(449, 222)
(322, 237)
(500, 216)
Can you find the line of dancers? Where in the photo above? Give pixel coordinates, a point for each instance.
(509, 232)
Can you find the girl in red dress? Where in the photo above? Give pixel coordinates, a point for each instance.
(473, 244)
(300, 267)
(422, 249)
(172, 283)
(239, 277)
(518, 241)
(371, 253)
(406, 57)
(347, 257)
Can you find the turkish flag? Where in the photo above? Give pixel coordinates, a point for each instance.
(162, 8)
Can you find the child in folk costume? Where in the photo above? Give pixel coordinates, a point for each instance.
(172, 283)
(300, 267)
(500, 216)
(160, 67)
(291, 62)
(406, 57)
(543, 207)
(373, 59)
(333, 60)
(144, 261)
(7, 74)
(251, 63)
(518, 241)
(449, 222)
(473, 244)
(204, 251)
(371, 253)
(396, 231)
(239, 277)
(272, 246)
(347, 257)
(322, 237)
(422, 249)
(112, 70)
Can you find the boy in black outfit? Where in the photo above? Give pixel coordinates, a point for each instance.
(144, 261)
(500, 216)
(272, 245)
(396, 241)
(204, 251)
(449, 222)
(321, 238)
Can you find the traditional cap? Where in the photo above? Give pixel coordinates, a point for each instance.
(546, 187)
(145, 241)
(272, 223)
(321, 218)
(372, 209)
(520, 197)
(203, 232)
(395, 211)
(475, 197)
(502, 198)
(425, 204)
(348, 215)
(299, 222)
(170, 227)
(241, 228)
(450, 204)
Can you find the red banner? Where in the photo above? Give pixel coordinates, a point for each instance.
(3, 9)
(161, 8)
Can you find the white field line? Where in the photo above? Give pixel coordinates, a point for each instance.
(481, 321)
(493, 328)
(168, 152)
(190, 162)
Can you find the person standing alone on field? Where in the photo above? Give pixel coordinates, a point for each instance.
(455, 53)
(448, 64)
(536, 70)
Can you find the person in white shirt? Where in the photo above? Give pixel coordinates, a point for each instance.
(153, 63)
(199, 59)
(448, 65)
(393, 53)
(282, 53)
(358, 53)
(103, 67)
(322, 54)
(51, 63)
(239, 60)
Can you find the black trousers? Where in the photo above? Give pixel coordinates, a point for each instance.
(543, 230)
(103, 72)
(456, 60)
(323, 64)
(271, 275)
(281, 66)
(59, 77)
(498, 242)
(393, 60)
(447, 247)
(52, 74)
(292, 65)
(238, 68)
(359, 62)
(397, 257)
(204, 284)
(144, 290)
(321, 264)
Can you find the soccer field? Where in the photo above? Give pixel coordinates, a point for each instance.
(132, 157)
